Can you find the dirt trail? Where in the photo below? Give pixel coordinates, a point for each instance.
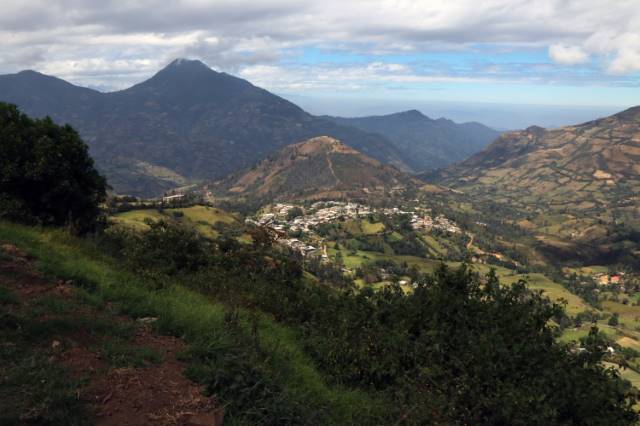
(470, 243)
(333, 173)
(156, 394)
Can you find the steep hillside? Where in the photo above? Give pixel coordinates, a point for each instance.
(426, 143)
(317, 168)
(578, 184)
(186, 123)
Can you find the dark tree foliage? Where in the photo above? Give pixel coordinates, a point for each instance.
(168, 247)
(460, 349)
(46, 174)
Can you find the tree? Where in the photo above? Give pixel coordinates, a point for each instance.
(614, 320)
(294, 212)
(46, 174)
(168, 247)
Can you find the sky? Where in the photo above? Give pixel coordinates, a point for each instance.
(507, 63)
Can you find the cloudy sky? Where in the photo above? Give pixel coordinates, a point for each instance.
(348, 56)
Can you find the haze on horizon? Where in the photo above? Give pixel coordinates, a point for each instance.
(506, 63)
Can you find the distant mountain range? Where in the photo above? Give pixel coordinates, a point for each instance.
(579, 184)
(425, 143)
(189, 123)
(321, 167)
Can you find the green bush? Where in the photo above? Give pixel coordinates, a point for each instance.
(46, 174)
(167, 247)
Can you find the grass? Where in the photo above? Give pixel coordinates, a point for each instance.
(575, 334)
(136, 218)
(360, 256)
(363, 227)
(536, 281)
(201, 322)
(32, 389)
(553, 290)
(202, 217)
(629, 314)
(434, 244)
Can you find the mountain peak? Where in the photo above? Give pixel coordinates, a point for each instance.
(412, 113)
(315, 168)
(184, 63)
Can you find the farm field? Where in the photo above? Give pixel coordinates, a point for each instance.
(536, 281)
(202, 217)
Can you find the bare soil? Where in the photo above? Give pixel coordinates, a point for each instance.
(155, 394)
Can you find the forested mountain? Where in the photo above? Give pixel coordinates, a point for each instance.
(186, 123)
(320, 167)
(425, 143)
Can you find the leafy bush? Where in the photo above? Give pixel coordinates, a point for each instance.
(167, 247)
(46, 174)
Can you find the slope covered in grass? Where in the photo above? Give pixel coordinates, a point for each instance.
(255, 366)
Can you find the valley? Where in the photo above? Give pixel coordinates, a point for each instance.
(372, 247)
(278, 267)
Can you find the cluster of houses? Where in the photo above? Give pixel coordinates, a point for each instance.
(279, 220)
(297, 245)
(421, 220)
(320, 212)
(429, 223)
(608, 279)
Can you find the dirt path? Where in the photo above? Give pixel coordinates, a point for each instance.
(333, 173)
(470, 243)
(152, 394)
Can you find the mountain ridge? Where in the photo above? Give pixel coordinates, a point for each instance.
(425, 143)
(186, 123)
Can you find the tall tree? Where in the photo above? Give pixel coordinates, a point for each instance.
(46, 174)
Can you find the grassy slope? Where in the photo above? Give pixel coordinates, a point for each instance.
(202, 217)
(188, 314)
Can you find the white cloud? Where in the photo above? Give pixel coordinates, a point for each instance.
(345, 78)
(78, 38)
(622, 49)
(568, 55)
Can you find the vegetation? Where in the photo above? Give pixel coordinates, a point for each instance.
(459, 349)
(580, 205)
(283, 339)
(46, 174)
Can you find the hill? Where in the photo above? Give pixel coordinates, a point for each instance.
(320, 167)
(576, 185)
(425, 143)
(186, 123)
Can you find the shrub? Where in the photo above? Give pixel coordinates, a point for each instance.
(167, 247)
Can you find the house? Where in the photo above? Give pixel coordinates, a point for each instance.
(170, 198)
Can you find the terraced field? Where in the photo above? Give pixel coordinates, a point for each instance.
(575, 186)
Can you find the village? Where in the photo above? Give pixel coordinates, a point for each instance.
(284, 219)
